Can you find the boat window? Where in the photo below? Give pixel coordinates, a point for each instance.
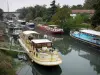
(23, 23)
(38, 45)
(49, 44)
(44, 44)
(30, 37)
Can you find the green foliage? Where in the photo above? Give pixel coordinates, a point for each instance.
(61, 16)
(38, 20)
(52, 10)
(1, 14)
(78, 19)
(97, 28)
(30, 13)
(77, 7)
(53, 7)
(11, 53)
(74, 23)
(86, 18)
(23, 12)
(96, 17)
(6, 67)
(89, 4)
(51, 23)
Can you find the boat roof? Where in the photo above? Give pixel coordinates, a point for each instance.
(30, 32)
(97, 33)
(21, 21)
(10, 20)
(41, 41)
(53, 25)
(29, 23)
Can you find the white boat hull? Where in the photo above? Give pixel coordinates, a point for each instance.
(44, 63)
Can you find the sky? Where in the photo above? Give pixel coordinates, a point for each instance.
(16, 4)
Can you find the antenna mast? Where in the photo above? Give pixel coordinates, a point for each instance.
(7, 6)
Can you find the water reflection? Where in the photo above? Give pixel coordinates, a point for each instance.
(94, 60)
(85, 51)
(54, 38)
(44, 70)
(64, 45)
(93, 57)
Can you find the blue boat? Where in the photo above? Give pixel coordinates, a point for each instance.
(89, 36)
(30, 26)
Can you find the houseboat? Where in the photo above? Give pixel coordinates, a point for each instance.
(39, 50)
(14, 30)
(53, 29)
(89, 36)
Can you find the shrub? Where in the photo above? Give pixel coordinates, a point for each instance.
(97, 28)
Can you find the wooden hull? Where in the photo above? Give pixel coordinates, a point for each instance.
(36, 60)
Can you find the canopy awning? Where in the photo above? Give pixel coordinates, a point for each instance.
(41, 41)
(97, 33)
(30, 32)
(53, 25)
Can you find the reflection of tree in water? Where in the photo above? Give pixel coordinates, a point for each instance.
(96, 67)
(64, 45)
(45, 70)
(94, 61)
(89, 53)
(85, 51)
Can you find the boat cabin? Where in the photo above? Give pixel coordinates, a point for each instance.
(55, 28)
(29, 35)
(95, 35)
(41, 44)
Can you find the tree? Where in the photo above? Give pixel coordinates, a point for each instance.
(89, 4)
(61, 16)
(86, 17)
(96, 17)
(6, 65)
(77, 6)
(52, 10)
(66, 6)
(1, 14)
(23, 12)
(78, 19)
(53, 7)
(30, 13)
(40, 11)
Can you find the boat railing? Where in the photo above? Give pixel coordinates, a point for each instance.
(48, 51)
(48, 55)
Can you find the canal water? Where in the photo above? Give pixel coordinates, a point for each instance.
(78, 59)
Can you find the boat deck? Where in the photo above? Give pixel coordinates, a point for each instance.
(50, 62)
